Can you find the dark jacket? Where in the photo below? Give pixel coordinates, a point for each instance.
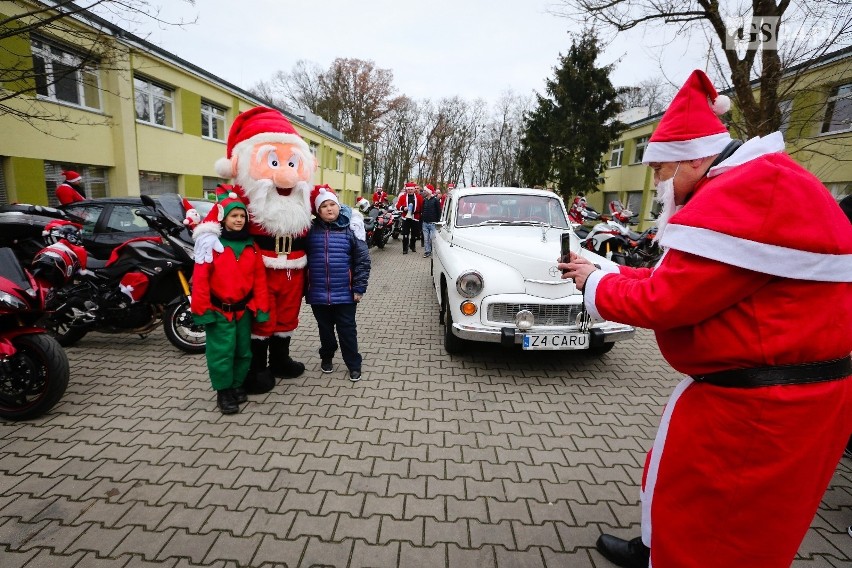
(431, 210)
(338, 262)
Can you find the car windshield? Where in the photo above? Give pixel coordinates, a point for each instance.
(510, 209)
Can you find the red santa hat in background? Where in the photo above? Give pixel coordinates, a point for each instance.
(226, 201)
(450, 186)
(410, 185)
(429, 189)
(70, 176)
(690, 128)
(320, 194)
(260, 124)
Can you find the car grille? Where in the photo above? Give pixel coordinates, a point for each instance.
(543, 314)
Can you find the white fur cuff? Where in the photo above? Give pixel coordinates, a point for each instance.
(207, 227)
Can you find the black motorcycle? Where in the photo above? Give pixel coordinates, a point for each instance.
(92, 301)
(34, 369)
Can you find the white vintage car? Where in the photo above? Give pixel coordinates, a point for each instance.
(494, 270)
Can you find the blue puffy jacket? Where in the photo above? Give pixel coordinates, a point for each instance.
(338, 262)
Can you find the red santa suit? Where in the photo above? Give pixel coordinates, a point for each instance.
(736, 474)
(65, 192)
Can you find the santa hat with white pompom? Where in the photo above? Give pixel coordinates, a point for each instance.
(691, 128)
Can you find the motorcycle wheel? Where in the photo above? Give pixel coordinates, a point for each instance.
(59, 325)
(37, 377)
(181, 331)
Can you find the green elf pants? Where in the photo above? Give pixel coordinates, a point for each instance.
(229, 351)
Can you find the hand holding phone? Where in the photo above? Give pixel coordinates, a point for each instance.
(565, 250)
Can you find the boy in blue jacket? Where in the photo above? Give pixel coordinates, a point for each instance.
(338, 270)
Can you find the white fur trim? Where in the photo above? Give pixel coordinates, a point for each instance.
(589, 292)
(646, 493)
(759, 257)
(207, 227)
(721, 105)
(357, 225)
(282, 262)
(276, 214)
(224, 168)
(324, 195)
(283, 334)
(751, 150)
(686, 149)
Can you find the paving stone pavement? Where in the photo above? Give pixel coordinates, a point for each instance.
(490, 459)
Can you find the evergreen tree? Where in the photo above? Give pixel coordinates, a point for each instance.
(567, 136)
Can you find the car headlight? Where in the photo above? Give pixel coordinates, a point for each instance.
(469, 284)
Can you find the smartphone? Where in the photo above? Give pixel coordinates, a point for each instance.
(565, 250)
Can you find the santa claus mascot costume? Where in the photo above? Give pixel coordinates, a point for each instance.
(272, 168)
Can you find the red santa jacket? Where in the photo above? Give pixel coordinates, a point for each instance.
(402, 204)
(233, 274)
(67, 194)
(737, 288)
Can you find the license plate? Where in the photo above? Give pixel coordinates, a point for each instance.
(576, 340)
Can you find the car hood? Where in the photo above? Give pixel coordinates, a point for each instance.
(521, 248)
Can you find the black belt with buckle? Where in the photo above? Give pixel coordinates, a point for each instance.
(232, 307)
(781, 375)
(280, 245)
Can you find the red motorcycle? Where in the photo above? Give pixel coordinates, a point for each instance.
(34, 368)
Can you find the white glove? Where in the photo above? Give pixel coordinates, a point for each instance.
(205, 244)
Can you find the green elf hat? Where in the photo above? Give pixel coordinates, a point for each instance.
(226, 200)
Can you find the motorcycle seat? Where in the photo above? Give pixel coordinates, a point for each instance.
(95, 263)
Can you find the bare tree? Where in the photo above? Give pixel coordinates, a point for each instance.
(91, 30)
(754, 68)
(654, 94)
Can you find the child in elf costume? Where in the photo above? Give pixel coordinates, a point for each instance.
(227, 295)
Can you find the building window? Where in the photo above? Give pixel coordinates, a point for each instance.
(314, 149)
(641, 144)
(209, 185)
(94, 180)
(212, 121)
(155, 183)
(634, 201)
(339, 163)
(617, 153)
(154, 103)
(838, 113)
(62, 75)
(357, 171)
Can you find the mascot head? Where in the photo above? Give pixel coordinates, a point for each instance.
(275, 168)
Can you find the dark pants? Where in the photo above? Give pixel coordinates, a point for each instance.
(342, 316)
(410, 233)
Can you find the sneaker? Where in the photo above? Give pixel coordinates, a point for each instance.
(413, 249)
(327, 366)
(404, 252)
(354, 376)
(427, 254)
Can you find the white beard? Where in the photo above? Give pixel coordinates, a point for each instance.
(666, 197)
(278, 215)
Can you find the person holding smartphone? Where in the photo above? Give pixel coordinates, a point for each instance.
(759, 319)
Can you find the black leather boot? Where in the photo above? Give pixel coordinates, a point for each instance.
(258, 379)
(625, 553)
(226, 403)
(280, 363)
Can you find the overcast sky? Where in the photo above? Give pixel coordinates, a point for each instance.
(471, 48)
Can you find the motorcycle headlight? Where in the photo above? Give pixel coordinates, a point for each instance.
(12, 302)
(469, 284)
